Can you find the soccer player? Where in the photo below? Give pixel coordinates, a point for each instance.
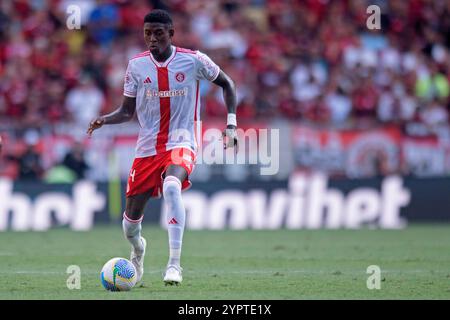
(162, 86)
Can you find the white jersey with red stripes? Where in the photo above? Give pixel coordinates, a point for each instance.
(168, 99)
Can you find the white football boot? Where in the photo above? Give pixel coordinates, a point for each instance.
(137, 258)
(173, 275)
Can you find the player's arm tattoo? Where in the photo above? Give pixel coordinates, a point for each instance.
(124, 113)
(229, 91)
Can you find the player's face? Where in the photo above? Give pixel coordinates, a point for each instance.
(158, 37)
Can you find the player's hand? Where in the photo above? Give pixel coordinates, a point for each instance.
(95, 124)
(230, 138)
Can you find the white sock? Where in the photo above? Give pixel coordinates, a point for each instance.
(132, 231)
(176, 216)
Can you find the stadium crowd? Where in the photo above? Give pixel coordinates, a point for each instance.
(313, 61)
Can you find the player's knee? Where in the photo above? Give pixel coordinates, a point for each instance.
(134, 214)
(133, 217)
(131, 227)
(135, 206)
(171, 187)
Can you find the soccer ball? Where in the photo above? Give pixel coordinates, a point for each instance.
(118, 274)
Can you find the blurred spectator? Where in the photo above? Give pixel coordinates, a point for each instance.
(104, 22)
(133, 14)
(74, 160)
(30, 164)
(338, 105)
(84, 102)
(59, 174)
(434, 115)
(289, 107)
(432, 84)
(29, 160)
(365, 99)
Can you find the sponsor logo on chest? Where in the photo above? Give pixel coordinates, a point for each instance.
(151, 93)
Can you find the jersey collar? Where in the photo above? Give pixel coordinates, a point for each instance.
(164, 64)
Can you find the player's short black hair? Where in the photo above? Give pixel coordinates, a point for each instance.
(158, 16)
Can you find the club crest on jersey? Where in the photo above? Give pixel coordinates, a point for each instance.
(180, 76)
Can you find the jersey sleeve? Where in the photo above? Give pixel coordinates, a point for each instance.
(130, 82)
(206, 68)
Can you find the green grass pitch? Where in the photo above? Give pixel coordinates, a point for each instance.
(281, 264)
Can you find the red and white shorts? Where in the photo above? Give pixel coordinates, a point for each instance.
(148, 173)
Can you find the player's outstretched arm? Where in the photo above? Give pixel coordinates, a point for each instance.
(229, 91)
(123, 114)
(229, 96)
